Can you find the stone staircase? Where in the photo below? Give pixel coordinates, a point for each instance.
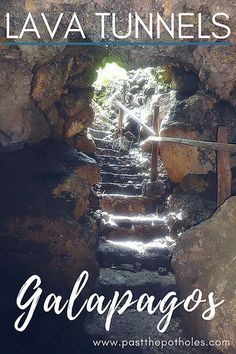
(126, 211)
(134, 251)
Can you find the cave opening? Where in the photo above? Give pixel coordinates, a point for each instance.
(136, 210)
(128, 220)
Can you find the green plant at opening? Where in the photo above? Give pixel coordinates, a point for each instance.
(164, 77)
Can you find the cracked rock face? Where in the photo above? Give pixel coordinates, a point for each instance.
(46, 229)
(194, 118)
(49, 101)
(44, 215)
(205, 259)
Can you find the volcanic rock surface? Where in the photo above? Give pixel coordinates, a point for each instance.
(205, 259)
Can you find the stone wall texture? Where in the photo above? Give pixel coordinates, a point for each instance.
(205, 259)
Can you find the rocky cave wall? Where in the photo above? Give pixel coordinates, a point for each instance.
(47, 225)
(205, 259)
(46, 107)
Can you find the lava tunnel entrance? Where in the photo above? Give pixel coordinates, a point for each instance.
(125, 102)
(139, 186)
(140, 91)
(130, 194)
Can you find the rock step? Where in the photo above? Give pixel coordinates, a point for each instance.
(134, 228)
(103, 144)
(139, 282)
(155, 255)
(127, 204)
(99, 134)
(122, 178)
(106, 160)
(110, 152)
(137, 232)
(124, 169)
(121, 188)
(151, 220)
